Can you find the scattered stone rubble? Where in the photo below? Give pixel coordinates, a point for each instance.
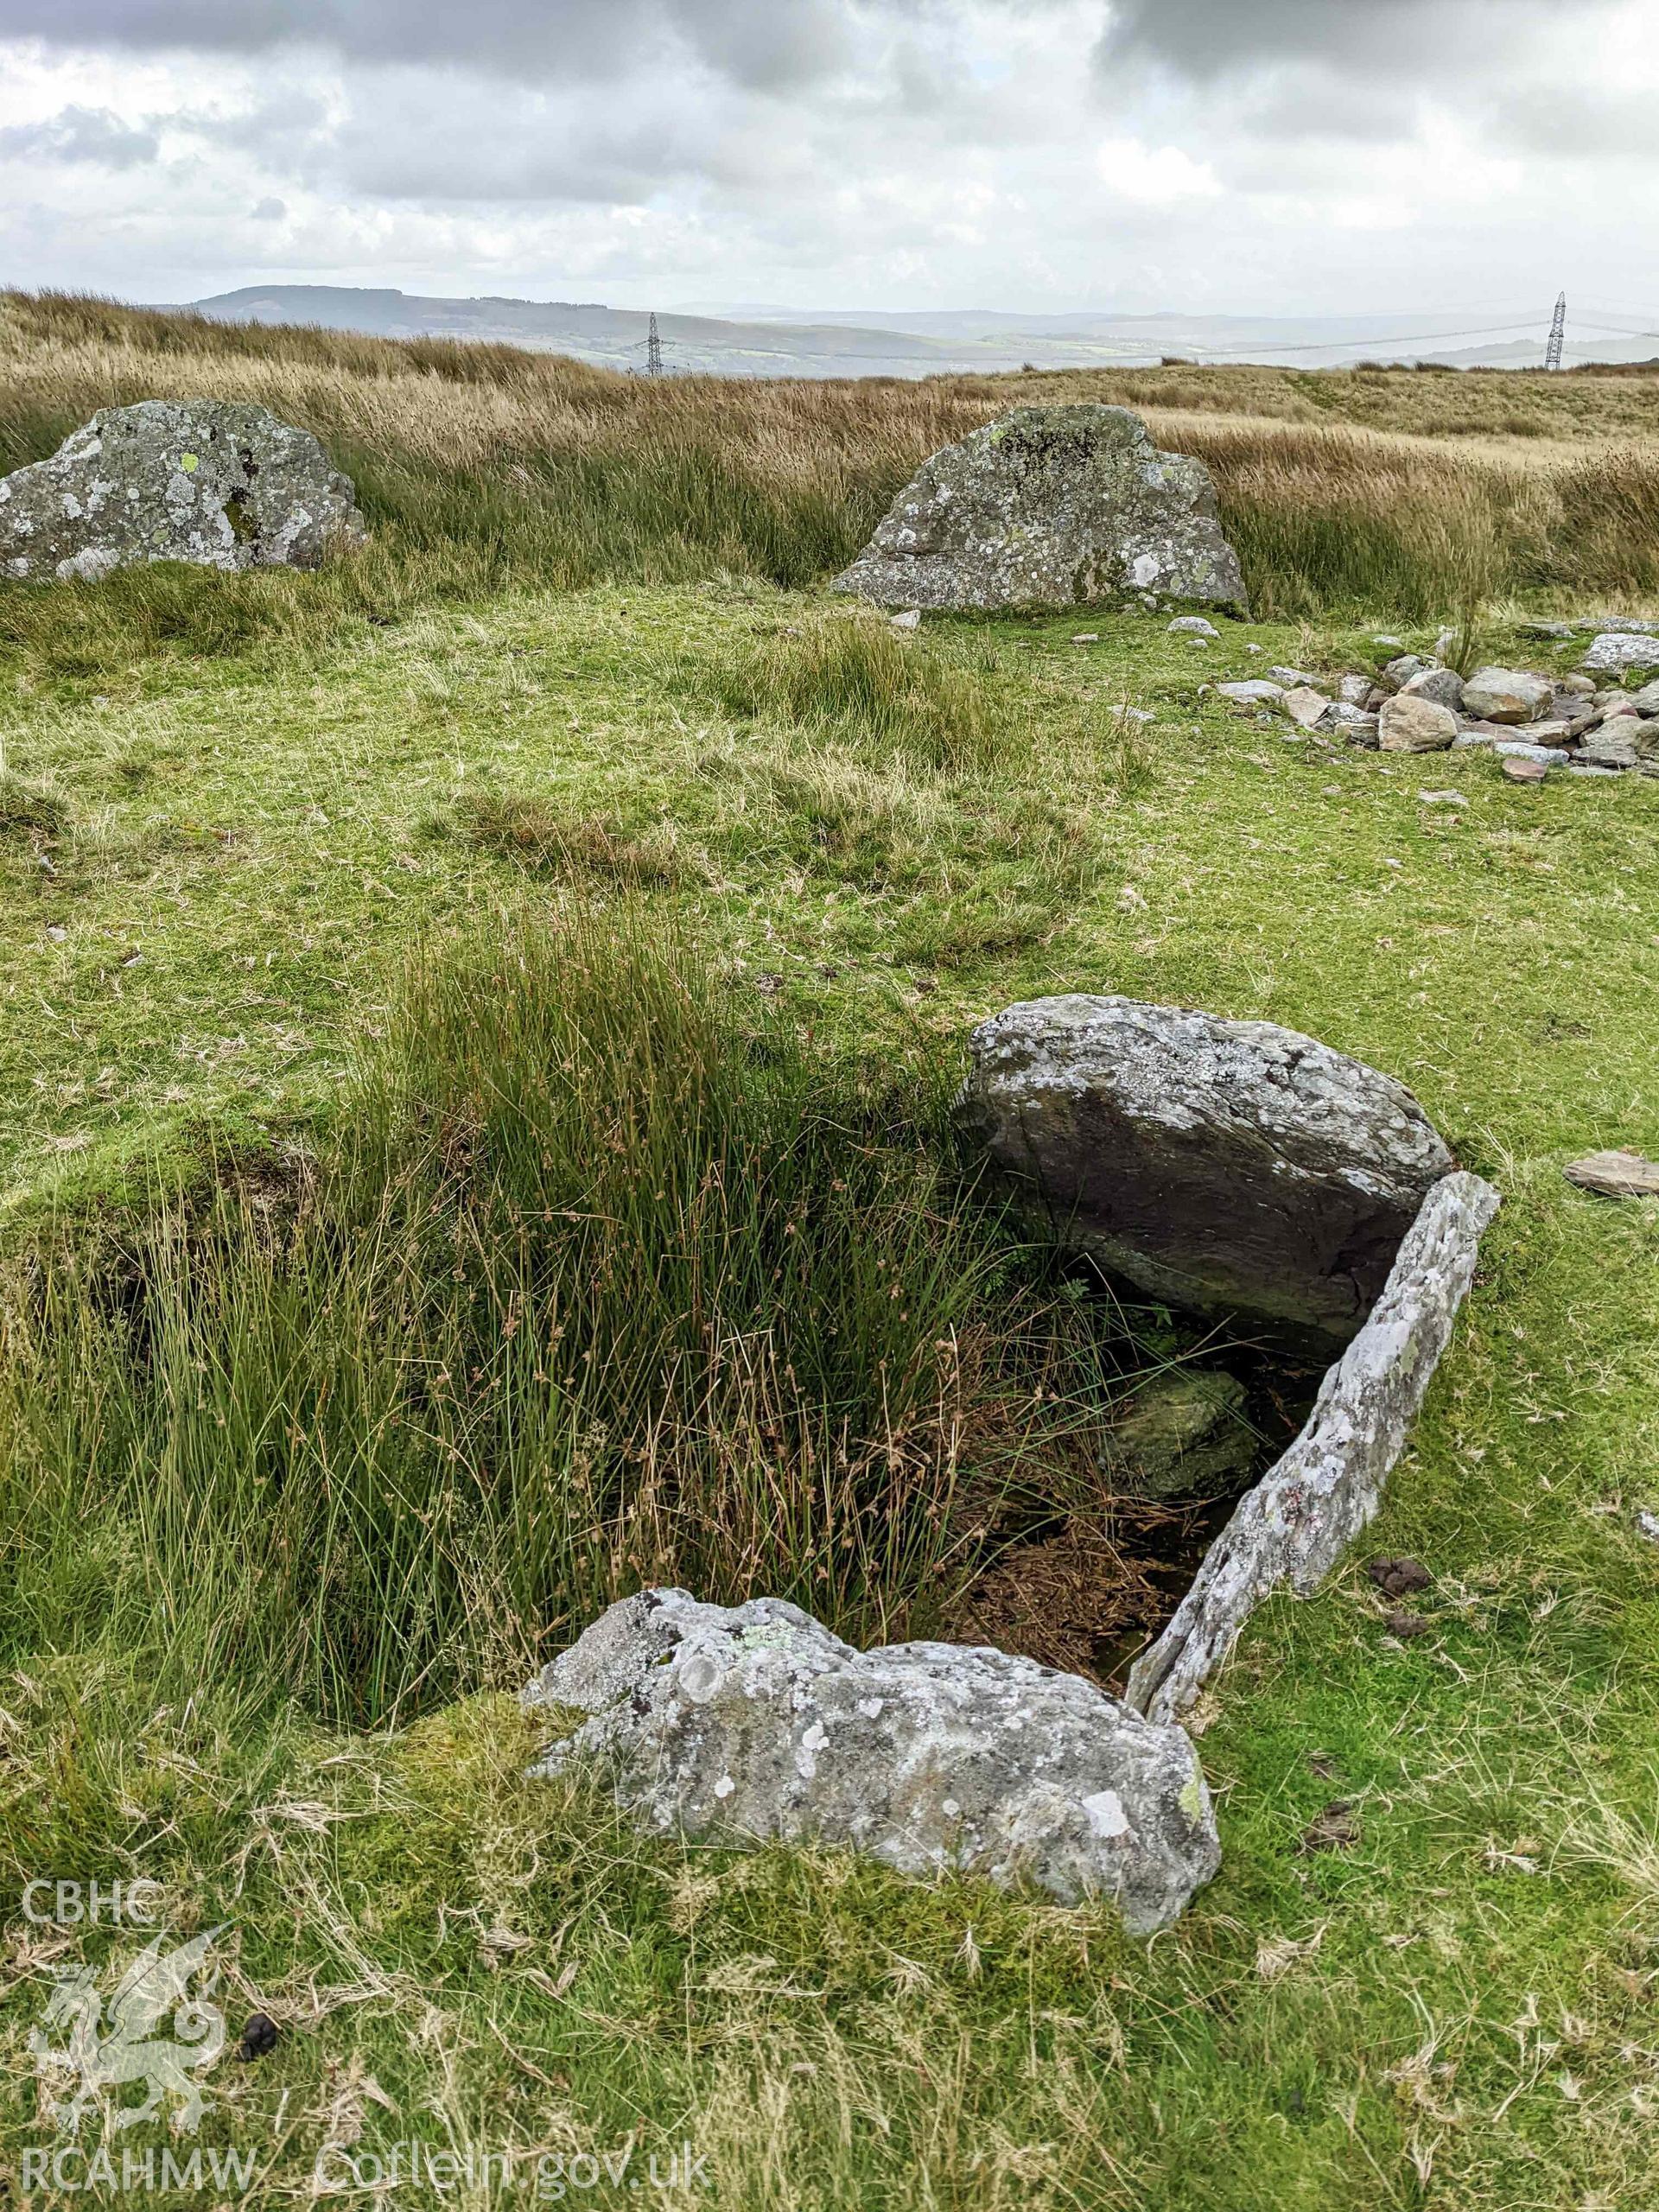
(1581, 721)
(1615, 1175)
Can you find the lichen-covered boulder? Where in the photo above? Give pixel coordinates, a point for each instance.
(1053, 506)
(754, 1723)
(1234, 1169)
(219, 483)
(1615, 652)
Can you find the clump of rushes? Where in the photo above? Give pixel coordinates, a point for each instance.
(599, 1284)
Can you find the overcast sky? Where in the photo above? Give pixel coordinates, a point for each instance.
(1225, 155)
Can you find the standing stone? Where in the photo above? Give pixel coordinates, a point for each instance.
(755, 1724)
(1409, 724)
(1053, 506)
(1507, 695)
(219, 483)
(1231, 1168)
(1306, 1510)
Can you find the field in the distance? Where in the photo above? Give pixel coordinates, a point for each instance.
(584, 690)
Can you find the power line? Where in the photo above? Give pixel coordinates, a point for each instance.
(1372, 338)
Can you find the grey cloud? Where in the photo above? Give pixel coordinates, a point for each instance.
(515, 155)
(1575, 122)
(1208, 39)
(81, 134)
(762, 44)
(285, 126)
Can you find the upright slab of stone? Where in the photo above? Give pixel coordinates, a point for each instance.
(218, 483)
(1234, 1169)
(754, 1723)
(1053, 506)
(1296, 1523)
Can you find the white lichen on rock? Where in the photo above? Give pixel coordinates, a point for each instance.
(1227, 1167)
(1299, 1519)
(1053, 506)
(754, 1723)
(220, 484)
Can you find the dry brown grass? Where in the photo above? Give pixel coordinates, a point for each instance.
(1390, 493)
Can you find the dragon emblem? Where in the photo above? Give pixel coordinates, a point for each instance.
(155, 1984)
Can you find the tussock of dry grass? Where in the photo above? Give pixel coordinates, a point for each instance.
(29, 810)
(539, 836)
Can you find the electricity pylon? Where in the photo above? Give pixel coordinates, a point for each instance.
(1557, 335)
(654, 348)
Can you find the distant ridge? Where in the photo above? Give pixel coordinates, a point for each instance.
(778, 342)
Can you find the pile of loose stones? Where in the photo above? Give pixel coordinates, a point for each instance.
(1599, 718)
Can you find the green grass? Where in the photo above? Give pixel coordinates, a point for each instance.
(596, 1285)
(1421, 2021)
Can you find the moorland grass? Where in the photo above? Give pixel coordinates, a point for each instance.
(1452, 2014)
(485, 467)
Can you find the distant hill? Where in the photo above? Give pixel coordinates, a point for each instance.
(748, 340)
(614, 337)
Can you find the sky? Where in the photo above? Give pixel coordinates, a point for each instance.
(1218, 156)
